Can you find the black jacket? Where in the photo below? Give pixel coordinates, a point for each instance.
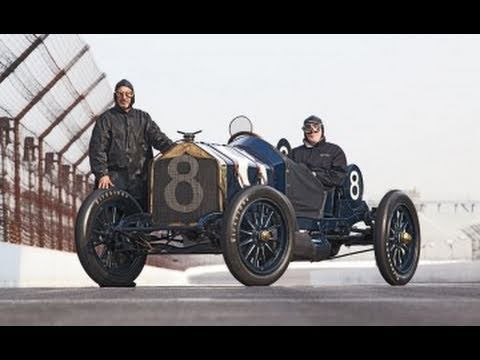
(326, 160)
(123, 141)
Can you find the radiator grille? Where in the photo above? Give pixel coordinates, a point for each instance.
(185, 188)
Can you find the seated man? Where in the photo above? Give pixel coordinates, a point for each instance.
(325, 161)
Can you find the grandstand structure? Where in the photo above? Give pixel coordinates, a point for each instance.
(51, 93)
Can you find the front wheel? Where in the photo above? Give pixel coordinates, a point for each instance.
(397, 238)
(107, 256)
(257, 236)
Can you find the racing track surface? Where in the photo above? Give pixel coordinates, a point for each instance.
(414, 304)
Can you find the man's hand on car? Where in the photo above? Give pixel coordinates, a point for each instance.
(105, 182)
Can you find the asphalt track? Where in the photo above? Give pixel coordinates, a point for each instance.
(374, 304)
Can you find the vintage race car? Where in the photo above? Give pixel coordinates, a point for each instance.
(249, 201)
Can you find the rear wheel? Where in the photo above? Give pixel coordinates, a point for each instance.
(258, 233)
(107, 256)
(397, 238)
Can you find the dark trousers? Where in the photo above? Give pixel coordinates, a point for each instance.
(135, 185)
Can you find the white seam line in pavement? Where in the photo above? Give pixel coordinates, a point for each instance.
(227, 300)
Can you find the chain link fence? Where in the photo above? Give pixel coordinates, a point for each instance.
(51, 92)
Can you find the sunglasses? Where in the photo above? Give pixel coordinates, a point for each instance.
(311, 128)
(128, 94)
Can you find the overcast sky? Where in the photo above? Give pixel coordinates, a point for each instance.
(405, 108)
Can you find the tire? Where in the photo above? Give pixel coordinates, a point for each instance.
(257, 235)
(98, 247)
(397, 238)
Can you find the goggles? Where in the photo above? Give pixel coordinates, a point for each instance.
(311, 128)
(128, 94)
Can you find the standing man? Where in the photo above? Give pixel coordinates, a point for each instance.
(121, 145)
(327, 161)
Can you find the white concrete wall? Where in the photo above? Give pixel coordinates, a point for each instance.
(27, 266)
(336, 272)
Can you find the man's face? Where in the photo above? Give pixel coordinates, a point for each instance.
(313, 133)
(124, 97)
